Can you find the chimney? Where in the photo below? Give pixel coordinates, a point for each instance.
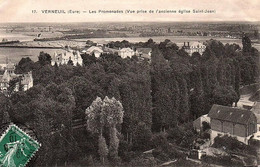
(184, 43)
(188, 43)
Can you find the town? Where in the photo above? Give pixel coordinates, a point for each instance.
(139, 104)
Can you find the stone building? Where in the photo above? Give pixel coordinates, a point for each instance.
(194, 47)
(235, 122)
(126, 52)
(65, 57)
(26, 79)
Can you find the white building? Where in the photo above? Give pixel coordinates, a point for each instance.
(194, 47)
(97, 51)
(65, 57)
(126, 52)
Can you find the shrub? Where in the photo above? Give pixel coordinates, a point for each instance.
(143, 161)
(159, 140)
(232, 144)
(222, 160)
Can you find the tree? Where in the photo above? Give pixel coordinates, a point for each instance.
(113, 113)
(102, 148)
(197, 95)
(44, 58)
(165, 93)
(184, 109)
(246, 43)
(95, 117)
(224, 96)
(108, 112)
(25, 65)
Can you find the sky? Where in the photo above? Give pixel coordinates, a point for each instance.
(225, 10)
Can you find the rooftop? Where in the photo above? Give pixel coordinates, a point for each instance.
(230, 114)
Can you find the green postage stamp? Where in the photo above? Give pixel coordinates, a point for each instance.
(16, 147)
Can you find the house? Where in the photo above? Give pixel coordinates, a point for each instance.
(194, 47)
(94, 50)
(197, 123)
(144, 53)
(26, 79)
(65, 57)
(235, 122)
(126, 52)
(244, 102)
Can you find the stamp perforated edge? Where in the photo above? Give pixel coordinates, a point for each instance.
(35, 140)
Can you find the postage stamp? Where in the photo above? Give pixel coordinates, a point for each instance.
(16, 147)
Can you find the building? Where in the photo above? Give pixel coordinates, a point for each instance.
(235, 122)
(94, 50)
(126, 52)
(144, 53)
(244, 102)
(65, 57)
(197, 123)
(26, 79)
(194, 47)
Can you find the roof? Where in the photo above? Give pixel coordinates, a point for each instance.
(197, 123)
(94, 48)
(197, 44)
(230, 114)
(10, 66)
(144, 50)
(110, 50)
(126, 50)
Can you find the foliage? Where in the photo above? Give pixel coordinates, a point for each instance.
(107, 112)
(95, 117)
(224, 96)
(44, 58)
(232, 144)
(160, 96)
(222, 160)
(102, 148)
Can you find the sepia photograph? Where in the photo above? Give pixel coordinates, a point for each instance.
(140, 83)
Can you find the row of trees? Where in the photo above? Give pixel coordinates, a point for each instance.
(173, 89)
